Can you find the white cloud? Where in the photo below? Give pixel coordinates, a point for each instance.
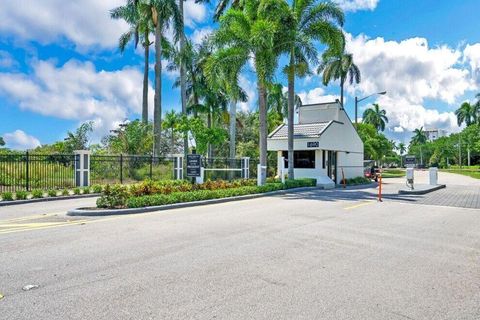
(317, 95)
(194, 13)
(7, 61)
(85, 22)
(77, 91)
(19, 140)
(250, 87)
(355, 5)
(199, 34)
(413, 74)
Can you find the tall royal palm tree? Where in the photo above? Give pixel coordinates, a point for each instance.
(312, 22)
(339, 67)
(139, 17)
(402, 148)
(171, 121)
(165, 14)
(467, 113)
(376, 117)
(419, 138)
(253, 33)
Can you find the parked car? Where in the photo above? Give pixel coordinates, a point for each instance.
(372, 173)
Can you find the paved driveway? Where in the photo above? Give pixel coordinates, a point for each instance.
(310, 255)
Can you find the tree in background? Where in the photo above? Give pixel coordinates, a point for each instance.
(253, 32)
(376, 117)
(311, 21)
(419, 139)
(202, 135)
(78, 140)
(170, 123)
(376, 145)
(165, 14)
(402, 148)
(134, 138)
(138, 16)
(2, 142)
(467, 113)
(339, 66)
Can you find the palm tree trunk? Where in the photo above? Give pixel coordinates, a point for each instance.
(183, 92)
(262, 109)
(342, 82)
(145, 80)
(233, 127)
(157, 112)
(172, 142)
(291, 98)
(209, 126)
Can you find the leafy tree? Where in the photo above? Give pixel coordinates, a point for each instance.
(376, 145)
(78, 140)
(467, 113)
(165, 13)
(134, 138)
(419, 139)
(202, 135)
(376, 117)
(402, 148)
(138, 15)
(311, 21)
(171, 122)
(339, 66)
(253, 32)
(2, 142)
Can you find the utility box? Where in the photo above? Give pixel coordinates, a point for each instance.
(433, 173)
(410, 177)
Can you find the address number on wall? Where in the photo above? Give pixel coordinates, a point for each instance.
(313, 144)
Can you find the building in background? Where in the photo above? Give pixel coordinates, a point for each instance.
(326, 145)
(434, 134)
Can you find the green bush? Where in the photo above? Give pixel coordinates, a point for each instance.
(21, 195)
(7, 196)
(113, 197)
(52, 193)
(97, 188)
(76, 190)
(86, 190)
(65, 192)
(37, 194)
(297, 183)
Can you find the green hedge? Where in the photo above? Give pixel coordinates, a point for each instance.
(118, 197)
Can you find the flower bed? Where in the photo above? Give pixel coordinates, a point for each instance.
(52, 193)
(160, 193)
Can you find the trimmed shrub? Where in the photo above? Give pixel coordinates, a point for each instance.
(86, 190)
(7, 196)
(52, 193)
(113, 197)
(21, 195)
(65, 192)
(97, 188)
(76, 191)
(37, 194)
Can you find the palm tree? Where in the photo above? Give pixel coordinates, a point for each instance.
(253, 32)
(311, 22)
(339, 66)
(2, 142)
(164, 13)
(419, 138)
(138, 16)
(467, 113)
(171, 122)
(376, 117)
(402, 148)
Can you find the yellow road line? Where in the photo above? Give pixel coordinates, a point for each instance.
(359, 205)
(48, 226)
(32, 217)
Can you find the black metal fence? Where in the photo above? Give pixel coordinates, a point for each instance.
(36, 171)
(26, 171)
(108, 169)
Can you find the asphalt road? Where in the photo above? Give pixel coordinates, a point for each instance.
(310, 255)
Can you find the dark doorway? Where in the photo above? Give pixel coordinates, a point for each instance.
(332, 165)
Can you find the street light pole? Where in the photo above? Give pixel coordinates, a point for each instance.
(360, 100)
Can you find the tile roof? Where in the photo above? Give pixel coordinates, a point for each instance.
(310, 130)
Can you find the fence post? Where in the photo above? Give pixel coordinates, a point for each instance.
(245, 168)
(121, 168)
(82, 168)
(27, 173)
(151, 167)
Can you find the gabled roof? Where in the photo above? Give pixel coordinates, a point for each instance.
(310, 130)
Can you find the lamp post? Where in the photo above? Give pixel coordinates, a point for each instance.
(360, 100)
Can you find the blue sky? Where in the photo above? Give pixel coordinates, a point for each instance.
(59, 65)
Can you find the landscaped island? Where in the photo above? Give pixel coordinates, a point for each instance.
(156, 193)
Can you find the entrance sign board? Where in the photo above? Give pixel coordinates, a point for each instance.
(194, 163)
(410, 161)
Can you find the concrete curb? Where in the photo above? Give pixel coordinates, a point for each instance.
(422, 191)
(17, 202)
(108, 212)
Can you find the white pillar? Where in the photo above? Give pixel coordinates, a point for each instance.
(245, 166)
(200, 179)
(282, 169)
(82, 168)
(178, 168)
(261, 174)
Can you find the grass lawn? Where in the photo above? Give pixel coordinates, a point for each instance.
(393, 173)
(465, 172)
